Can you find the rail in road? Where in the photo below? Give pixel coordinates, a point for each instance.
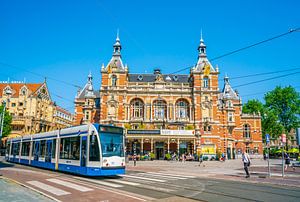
(142, 186)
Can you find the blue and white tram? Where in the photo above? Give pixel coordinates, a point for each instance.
(91, 150)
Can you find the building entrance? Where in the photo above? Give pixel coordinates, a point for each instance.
(159, 150)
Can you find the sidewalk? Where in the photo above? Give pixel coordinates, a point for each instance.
(228, 170)
(11, 191)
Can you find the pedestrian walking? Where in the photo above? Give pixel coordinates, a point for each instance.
(287, 161)
(246, 161)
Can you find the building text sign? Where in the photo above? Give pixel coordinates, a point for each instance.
(177, 132)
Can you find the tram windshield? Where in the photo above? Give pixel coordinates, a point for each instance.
(111, 144)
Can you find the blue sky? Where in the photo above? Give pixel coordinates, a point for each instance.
(67, 39)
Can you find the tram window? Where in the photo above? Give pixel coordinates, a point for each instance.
(43, 148)
(112, 144)
(94, 149)
(25, 149)
(53, 148)
(70, 148)
(33, 148)
(16, 148)
(7, 148)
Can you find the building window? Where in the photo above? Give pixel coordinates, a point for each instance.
(114, 80)
(87, 116)
(182, 109)
(246, 131)
(160, 109)
(229, 104)
(137, 108)
(20, 103)
(13, 104)
(205, 82)
(230, 117)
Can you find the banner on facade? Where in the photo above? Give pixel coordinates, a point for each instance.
(148, 132)
(177, 132)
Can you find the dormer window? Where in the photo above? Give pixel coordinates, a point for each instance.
(140, 77)
(23, 91)
(175, 77)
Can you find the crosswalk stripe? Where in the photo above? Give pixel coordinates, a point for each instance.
(48, 188)
(168, 174)
(124, 182)
(157, 188)
(100, 182)
(162, 176)
(144, 178)
(70, 185)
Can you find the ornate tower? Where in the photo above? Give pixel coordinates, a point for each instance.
(205, 93)
(112, 92)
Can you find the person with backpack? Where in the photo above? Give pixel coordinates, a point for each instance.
(246, 161)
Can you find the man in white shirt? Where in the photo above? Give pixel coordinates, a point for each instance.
(246, 161)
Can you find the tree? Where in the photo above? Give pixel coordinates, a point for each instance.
(253, 107)
(285, 104)
(6, 123)
(269, 120)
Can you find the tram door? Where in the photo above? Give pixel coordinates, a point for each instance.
(36, 150)
(48, 151)
(83, 151)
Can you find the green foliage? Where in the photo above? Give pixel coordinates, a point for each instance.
(152, 155)
(280, 113)
(142, 126)
(253, 107)
(285, 104)
(168, 156)
(6, 123)
(189, 127)
(127, 126)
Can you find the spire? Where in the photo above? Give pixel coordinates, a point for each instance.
(117, 46)
(228, 92)
(201, 47)
(90, 78)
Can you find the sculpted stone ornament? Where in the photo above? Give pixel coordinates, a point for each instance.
(159, 78)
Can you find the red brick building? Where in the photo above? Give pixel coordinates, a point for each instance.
(166, 113)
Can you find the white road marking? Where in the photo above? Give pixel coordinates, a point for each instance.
(157, 188)
(48, 188)
(70, 185)
(143, 178)
(163, 176)
(124, 182)
(100, 182)
(186, 176)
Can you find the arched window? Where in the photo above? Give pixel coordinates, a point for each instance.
(137, 108)
(206, 82)
(182, 109)
(246, 131)
(160, 109)
(114, 80)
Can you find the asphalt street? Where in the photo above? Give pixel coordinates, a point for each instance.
(146, 186)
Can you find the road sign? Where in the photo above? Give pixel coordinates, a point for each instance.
(267, 138)
(283, 138)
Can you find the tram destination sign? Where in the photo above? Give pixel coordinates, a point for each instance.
(108, 129)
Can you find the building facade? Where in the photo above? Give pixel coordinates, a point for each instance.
(181, 113)
(31, 108)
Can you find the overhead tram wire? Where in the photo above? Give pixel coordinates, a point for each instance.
(259, 81)
(40, 75)
(246, 47)
(260, 74)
